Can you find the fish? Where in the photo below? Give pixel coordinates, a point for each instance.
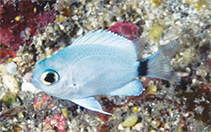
(101, 63)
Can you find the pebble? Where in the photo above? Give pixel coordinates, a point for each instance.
(65, 112)
(136, 108)
(120, 127)
(152, 130)
(202, 4)
(171, 34)
(130, 121)
(11, 68)
(8, 99)
(201, 71)
(139, 126)
(155, 32)
(187, 56)
(48, 52)
(166, 126)
(3, 69)
(17, 18)
(152, 89)
(11, 82)
(155, 123)
(20, 115)
(156, 2)
(189, 1)
(48, 126)
(59, 18)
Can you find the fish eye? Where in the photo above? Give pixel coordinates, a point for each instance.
(49, 77)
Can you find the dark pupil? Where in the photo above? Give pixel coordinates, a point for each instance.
(50, 78)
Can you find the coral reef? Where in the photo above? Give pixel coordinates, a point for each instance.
(31, 31)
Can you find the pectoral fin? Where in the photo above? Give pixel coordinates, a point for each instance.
(91, 104)
(133, 88)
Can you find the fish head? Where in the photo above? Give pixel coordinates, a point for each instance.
(53, 77)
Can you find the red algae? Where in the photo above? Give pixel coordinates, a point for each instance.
(19, 22)
(109, 106)
(4, 53)
(209, 62)
(58, 121)
(43, 102)
(126, 29)
(104, 128)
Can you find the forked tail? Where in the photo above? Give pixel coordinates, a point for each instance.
(158, 65)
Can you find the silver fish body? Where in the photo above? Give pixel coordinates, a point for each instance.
(100, 71)
(99, 63)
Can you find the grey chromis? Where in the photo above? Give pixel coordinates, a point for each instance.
(100, 63)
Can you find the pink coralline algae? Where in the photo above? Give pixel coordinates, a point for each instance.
(43, 102)
(209, 62)
(126, 29)
(19, 22)
(58, 121)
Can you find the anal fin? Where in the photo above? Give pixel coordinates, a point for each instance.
(91, 104)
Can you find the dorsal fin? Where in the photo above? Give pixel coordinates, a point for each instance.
(139, 45)
(102, 37)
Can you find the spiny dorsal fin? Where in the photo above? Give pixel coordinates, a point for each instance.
(102, 37)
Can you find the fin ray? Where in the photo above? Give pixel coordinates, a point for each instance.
(107, 38)
(133, 88)
(91, 104)
(158, 65)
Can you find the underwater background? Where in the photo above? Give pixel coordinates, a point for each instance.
(32, 30)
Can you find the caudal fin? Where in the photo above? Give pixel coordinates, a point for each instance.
(158, 65)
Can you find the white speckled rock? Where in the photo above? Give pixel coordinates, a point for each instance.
(139, 126)
(11, 68)
(12, 83)
(3, 70)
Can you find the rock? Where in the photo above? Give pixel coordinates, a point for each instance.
(130, 121)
